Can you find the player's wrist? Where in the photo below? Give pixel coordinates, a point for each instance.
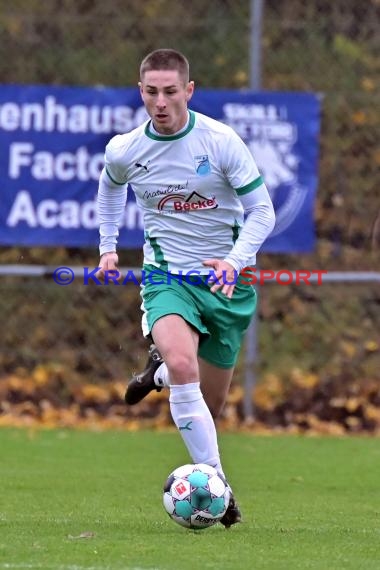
(107, 251)
(235, 264)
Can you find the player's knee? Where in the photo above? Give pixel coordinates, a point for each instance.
(182, 368)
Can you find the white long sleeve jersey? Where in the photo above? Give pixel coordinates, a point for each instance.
(194, 188)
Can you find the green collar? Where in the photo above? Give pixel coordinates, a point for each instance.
(171, 137)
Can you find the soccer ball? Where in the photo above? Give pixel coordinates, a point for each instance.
(196, 496)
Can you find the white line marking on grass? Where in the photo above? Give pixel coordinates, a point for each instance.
(25, 566)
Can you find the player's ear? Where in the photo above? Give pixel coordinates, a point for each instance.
(189, 90)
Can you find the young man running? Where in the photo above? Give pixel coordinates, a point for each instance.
(195, 182)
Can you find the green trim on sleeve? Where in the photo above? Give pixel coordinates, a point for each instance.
(249, 187)
(113, 180)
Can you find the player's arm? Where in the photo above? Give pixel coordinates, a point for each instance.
(111, 199)
(245, 178)
(259, 223)
(243, 175)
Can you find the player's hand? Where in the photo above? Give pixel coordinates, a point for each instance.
(108, 267)
(225, 274)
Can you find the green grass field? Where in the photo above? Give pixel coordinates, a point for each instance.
(308, 503)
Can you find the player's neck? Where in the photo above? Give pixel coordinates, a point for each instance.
(153, 129)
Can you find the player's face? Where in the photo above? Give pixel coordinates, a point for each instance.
(165, 97)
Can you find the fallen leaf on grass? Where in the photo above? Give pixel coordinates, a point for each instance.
(86, 534)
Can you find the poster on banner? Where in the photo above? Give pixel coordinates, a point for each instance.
(53, 140)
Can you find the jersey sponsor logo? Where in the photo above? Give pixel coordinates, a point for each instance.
(202, 165)
(169, 189)
(179, 203)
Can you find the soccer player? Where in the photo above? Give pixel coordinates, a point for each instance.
(206, 213)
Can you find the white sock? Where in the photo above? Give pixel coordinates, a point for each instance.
(195, 423)
(161, 376)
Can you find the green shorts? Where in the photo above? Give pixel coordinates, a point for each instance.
(221, 322)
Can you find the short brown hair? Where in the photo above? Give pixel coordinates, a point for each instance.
(168, 59)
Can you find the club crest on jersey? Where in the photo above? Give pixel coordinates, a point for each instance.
(202, 165)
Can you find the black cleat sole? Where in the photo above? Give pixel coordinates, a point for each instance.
(142, 384)
(232, 514)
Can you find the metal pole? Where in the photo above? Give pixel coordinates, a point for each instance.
(256, 24)
(251, 339)
(250, 364)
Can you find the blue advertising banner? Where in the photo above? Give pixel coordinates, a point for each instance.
(52, 150)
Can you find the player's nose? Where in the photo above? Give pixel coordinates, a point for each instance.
(160, 101)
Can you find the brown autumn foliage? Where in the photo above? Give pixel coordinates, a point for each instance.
(304, 405)
(67, 354)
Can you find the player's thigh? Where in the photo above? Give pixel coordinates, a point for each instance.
(215, 384)
(177, 342)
